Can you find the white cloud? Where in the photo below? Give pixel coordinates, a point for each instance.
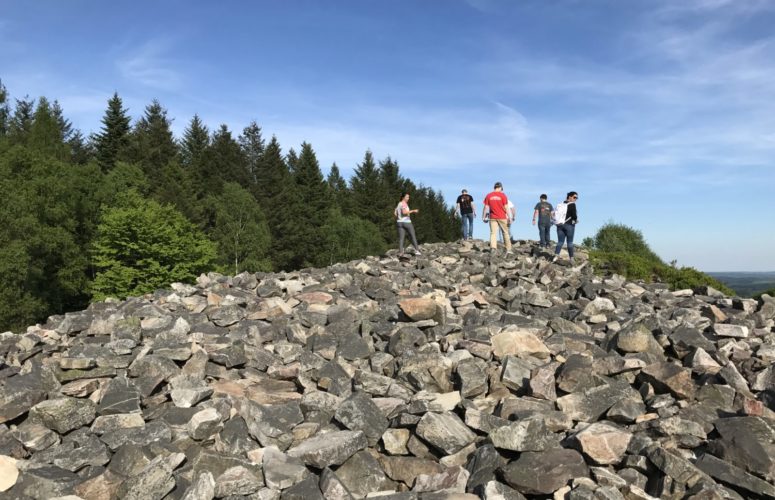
(151, 65)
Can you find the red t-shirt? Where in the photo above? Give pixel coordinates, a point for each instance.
(497, 201)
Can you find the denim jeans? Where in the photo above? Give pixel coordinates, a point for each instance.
(467, 224)
(565, 231)
(544, 233)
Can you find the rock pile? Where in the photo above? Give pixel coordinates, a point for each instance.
(457, 374)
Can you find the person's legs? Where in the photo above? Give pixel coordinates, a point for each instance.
(560, 238)
(410, 229)
(470, 218)
(570, 229)
(464, 225)
(493, 234)
(401, 232)
(506, 234)
(547, 235)
(542, 234)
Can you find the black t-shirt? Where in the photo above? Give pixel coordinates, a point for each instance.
(466, 203)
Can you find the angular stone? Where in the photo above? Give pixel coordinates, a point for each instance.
(202, 488)
(748, 443)
(542, 382)
(675, 466)
(35, 437)
(734, 476)
(670, 377)
(603, 443)
(101, 487)
(524, 435)
(515, 341)
(119, 396)
(727, 330)
(494, 490)
(332, 448)
(445, 431)
(9, 473)
(482, 465)
(63, 414)
(154, 481)
(452, 480)
(237, 481)
(282, 471)
(306, 489)
(204, 424)
(418, 309)
(359, 413)
(589, 405)
(394, 441)
(108, 423)
(543, 473)
(18, 395)
(362, 474)
(406, 469)
(332, 487)
(472, 376)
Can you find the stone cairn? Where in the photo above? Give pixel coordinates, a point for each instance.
(458, 374)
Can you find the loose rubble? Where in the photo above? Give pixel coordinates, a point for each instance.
(461, 373)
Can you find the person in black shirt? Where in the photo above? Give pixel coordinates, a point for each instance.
(566, 229)
(465, 207)
(542, 213)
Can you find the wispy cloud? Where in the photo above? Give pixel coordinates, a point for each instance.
(152, 65)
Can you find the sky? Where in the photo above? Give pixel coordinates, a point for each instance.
(659, 113)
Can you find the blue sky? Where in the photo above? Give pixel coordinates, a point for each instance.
(660, 113)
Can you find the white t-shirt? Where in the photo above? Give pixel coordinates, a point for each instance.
(400, 208)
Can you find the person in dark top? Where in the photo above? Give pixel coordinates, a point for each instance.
(567, 227)
(465, 207)
(543, 214)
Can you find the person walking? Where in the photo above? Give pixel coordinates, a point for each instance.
(465, 207)
(495, 211)
(566, 218)
(543, 214)
(404, 224)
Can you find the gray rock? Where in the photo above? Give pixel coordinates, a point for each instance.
(543, 473)
(332, 487)
(359, 413)
(748, 443)
(333, 448)
(362, 474)
(525, 435)
(120, 396)
(63, 414)
(304, 490)
(589, 405)
(282, 471)
(202, 488)
(154, 481)
(445, 431)
(237, 481)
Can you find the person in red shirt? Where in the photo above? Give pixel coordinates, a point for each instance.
(495, 210)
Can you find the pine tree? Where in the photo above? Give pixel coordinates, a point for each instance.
(364, 186)
(273, 176)
(45, 133)
(4, 110)
(21, 121)
(196, 139)
(152, 143)
(112, 142)
(292, 160)
(223, 161)
(337, 186)
(252, 144)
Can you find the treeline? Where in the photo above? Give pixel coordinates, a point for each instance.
(617, 248)
(132, 208)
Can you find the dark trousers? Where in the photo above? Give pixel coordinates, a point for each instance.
(565, 231)
(544, 233)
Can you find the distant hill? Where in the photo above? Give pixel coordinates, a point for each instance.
(748, 283)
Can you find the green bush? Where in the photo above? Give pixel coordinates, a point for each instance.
(770, 292)
(142, 246)
(620, 249)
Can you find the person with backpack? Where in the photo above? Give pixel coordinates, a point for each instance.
(404, 224)
(565, 218)
(543, 213)
(465, 207)
(495, 211)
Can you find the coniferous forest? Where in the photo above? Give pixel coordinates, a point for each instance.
(132, 208)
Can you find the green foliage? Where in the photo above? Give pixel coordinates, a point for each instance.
(112, 142)
(141, 246)
(770, 292)
(347, 237)
(240, 230)
(620, 249)
(127, 210)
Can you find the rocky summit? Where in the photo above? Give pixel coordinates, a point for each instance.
(461, 373)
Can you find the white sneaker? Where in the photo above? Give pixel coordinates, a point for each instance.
(554, 259)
